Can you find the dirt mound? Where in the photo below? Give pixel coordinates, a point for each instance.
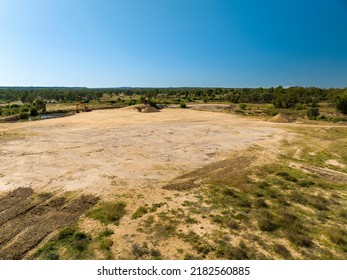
(281, 118)
(141, 108)
(131, 108)
(149, 109)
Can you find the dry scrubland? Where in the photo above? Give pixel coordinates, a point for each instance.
(179, 184)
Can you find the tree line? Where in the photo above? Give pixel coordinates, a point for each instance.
(280, 97)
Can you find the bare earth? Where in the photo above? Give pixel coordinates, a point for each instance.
(103, 152)
(116, 154)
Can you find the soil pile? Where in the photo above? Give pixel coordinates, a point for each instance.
(141, 108)
(281, 118)
(149, 109)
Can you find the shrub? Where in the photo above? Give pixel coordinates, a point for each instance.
(23, 115)
(107, 232)
(131, 102)
(191, 257)
(66, 233)
(165, 230)
(24, 109)
(263, 184)
(267, 221)
(242, 106)
(272, 111)
(305, 183)
(261, 203)
(190, 220)
(155, 206)
(48, 251)
(33, 112)
(243, 202)
(233, 224)
(341, 103)
(300, 239)
(139, 212)
(108, 213)
(287, 176)
(183, 105)
(282, 251)
(298, 197)
(140, 251)
(299, 106)
(227, 251)
(155, 253)
(319, 202)
(230, 192)
(75, 242)
(106, 244)
(312, 113)
(80, 244)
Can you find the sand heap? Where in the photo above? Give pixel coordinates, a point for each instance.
(141, 108)
(149, 109)
(281, 118)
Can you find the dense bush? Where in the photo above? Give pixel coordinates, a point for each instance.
(242, 106)
(25, 109)
(312, 113)
(183, 105)
(23, 115)
(341, 104)
(33, 112)
(108, 213)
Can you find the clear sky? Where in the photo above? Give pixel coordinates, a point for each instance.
(169, 43)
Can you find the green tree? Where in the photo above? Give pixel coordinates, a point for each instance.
(40, 105)
(341, 103)
(33, 112)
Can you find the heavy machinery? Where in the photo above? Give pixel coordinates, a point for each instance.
(81, 107)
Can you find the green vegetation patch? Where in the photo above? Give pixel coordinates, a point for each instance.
(199, 244)
(143, 251)
(70, 243)
(143, 210)
(108, 213)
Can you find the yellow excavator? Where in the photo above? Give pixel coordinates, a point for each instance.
(81, 107)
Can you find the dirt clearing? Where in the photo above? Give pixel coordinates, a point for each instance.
(142, 159)
(102, 152)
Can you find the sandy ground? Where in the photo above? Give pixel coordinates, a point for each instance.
(102, 152)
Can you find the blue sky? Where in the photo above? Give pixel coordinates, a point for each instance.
(169, 43)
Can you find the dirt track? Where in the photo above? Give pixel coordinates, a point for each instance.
(103, 151)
